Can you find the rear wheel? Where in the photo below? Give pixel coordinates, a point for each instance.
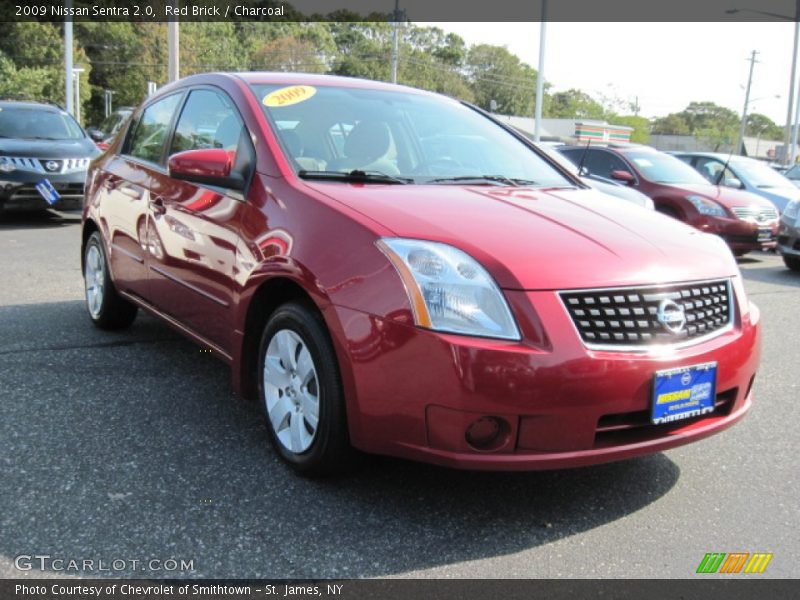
(107, 309)
(792, 262)
(301, 392)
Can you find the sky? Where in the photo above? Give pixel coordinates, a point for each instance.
(665, 65)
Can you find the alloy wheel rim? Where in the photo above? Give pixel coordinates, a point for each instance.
(94, 278)
(291, 391)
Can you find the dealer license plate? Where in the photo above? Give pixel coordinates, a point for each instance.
(684, 392)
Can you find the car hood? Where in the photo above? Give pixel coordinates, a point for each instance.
(537, 239)
(726, 196)
(81, 148)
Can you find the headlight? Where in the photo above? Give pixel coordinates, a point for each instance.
(706, 206)
(6, 166)
(449, 291)
(792, 209)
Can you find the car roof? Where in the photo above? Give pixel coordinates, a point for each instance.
(29, 104)
(627, 147)
(261, 77)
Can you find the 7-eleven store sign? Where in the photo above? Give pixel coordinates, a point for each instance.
(600, 133)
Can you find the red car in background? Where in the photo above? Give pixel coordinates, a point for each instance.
(388, 270)
(744, 220)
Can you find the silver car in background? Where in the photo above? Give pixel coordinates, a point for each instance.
(789, 235)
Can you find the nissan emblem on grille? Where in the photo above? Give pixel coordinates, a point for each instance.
(671, 315)
(52, 165)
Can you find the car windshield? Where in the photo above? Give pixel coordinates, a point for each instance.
(759, 174)
(793, 173)
(664, 168)
(38, 124)
(412, 137)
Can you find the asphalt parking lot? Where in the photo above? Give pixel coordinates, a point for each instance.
(131, 446)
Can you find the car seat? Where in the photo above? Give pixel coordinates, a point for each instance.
(294, 144)
(365, 148)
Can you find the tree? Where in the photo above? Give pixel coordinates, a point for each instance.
(641, 126)
(575, 104)
(288, 53)
(33, 59)
(497, 75)
(672, 124)
(759, 125)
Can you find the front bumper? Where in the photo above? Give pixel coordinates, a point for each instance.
(413, 393)
(18, 190)
(742, 236)
(789, 237)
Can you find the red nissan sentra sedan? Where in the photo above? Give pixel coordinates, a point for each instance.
(390, 270)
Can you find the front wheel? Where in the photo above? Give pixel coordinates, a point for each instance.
(301, 392)
(791, 262)
(107, 309)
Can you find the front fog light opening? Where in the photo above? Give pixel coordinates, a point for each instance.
(487, 434)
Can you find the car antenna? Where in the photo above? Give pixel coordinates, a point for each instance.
(583, 156)
(721, 174)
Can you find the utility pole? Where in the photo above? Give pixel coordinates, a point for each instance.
(792, 148)
(397, 16)
(788, 138)
(173, 44)
(540, 76)
(740, 142)
(68, 61)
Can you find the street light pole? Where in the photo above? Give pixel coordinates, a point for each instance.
(540, 76)
(68, 60)
(788, 136)
(173, 44)
(740, 142)
(397, 15)
(793, 144)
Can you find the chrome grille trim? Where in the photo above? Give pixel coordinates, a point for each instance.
(36, 165)
(755, 213)
(623, 319)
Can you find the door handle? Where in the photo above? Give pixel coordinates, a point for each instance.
(157, 206)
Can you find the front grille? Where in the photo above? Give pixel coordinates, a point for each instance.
(755, 214)
(48, 165)
(644, 316)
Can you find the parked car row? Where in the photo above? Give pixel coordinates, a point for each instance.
(746, 221)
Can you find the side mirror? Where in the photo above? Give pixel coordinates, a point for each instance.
(209, 166)
(624, 176)
(96, 134)
(732, 182)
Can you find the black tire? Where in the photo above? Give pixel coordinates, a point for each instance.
(329, 452)
(111, 311)
(791, 262)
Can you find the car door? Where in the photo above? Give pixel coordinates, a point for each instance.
(124, 195)
(197, 226)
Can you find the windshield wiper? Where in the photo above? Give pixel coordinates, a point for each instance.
(354, 176)
(490, 179)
